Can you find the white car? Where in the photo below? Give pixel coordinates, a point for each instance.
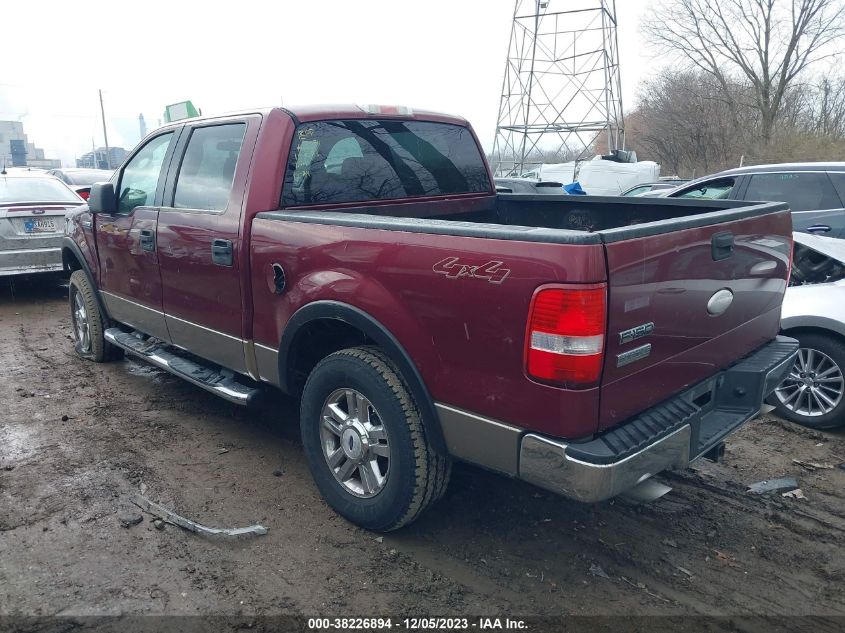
(814, 313)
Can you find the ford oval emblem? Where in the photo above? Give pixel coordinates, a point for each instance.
(720, 302)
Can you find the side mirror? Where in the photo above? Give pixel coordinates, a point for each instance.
(102, 198)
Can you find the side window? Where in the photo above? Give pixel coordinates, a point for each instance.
(638, 190)
(208, 168)
(838, 180)
(139, 179)
(711, 190)
(364, 160)
(802, 191)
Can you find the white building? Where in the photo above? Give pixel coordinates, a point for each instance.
(17, 151)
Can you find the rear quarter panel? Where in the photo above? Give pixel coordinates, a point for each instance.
(466, 334)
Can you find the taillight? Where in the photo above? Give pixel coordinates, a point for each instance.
(84, 193)
(564, 342)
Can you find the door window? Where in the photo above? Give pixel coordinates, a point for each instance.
(208, 168)
(711, 190)
(802, 191)
(140, 176)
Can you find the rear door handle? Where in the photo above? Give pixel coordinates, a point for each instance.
(148, 240)
(818, 228)
(221, 252)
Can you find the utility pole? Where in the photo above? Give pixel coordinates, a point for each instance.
(105, 134)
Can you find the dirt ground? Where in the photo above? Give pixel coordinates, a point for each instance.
(78, 440)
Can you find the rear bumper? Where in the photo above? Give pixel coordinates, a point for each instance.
(30, 260)
(668, 436)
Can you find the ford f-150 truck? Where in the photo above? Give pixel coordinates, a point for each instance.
(361, 259)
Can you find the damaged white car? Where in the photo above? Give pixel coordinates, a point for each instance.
(814, 313)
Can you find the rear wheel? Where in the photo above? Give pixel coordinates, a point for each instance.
(365, 441)
(88, 321)
(813, 394)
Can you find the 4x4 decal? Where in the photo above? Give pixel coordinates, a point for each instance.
(454, 269)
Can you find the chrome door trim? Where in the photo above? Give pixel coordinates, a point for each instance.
(218, 347)
(142, 318)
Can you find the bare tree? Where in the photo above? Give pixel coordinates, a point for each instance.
(684, 121)
(767, 43)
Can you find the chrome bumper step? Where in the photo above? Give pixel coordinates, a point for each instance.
(163, 356)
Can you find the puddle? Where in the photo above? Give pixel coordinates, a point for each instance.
(17, 441)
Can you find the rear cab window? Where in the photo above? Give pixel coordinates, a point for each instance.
(366, 160)
(802, 191)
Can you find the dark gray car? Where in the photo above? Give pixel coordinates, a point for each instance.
(815, 192)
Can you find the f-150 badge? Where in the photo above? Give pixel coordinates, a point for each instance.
(452, 268)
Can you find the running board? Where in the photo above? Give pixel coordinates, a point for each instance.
(160, 354)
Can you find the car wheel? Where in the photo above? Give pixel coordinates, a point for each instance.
(365, 442)
(813, 394)
(88, 322)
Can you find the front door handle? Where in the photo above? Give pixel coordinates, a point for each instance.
(818, 228)
(221, 252)
(148, 240)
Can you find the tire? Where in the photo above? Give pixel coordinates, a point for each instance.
(384, 471)
(814, 393)
(88, 321)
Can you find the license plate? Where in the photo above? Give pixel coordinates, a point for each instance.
(45, 225)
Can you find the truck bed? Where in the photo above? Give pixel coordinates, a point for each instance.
(559, 219)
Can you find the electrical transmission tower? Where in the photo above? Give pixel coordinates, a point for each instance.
(562, 84)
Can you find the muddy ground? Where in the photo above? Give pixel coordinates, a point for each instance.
(78, 440)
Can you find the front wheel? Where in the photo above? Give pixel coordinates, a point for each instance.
(365, 441)
(813, 394)
(88, 321)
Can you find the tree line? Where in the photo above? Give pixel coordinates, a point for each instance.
(747, 81)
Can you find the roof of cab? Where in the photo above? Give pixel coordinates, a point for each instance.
(307, 113)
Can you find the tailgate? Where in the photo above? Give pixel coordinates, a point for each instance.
(689, 299)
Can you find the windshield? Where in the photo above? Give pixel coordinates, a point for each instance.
(34, 189)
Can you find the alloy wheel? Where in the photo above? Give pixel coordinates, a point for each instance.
(814, 386)
(355, 442)
(80, 323)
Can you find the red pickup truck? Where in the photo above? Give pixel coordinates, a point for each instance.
(361, 259)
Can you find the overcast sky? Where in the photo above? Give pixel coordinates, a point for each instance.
(445, 55)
